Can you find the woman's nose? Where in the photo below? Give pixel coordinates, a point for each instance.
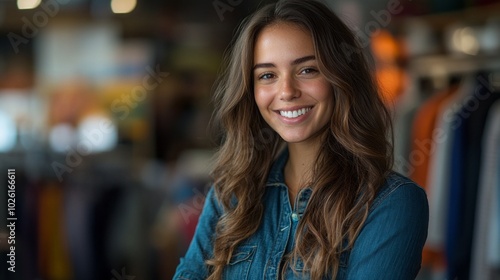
(288, 89)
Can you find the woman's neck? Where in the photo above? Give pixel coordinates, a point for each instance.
(299, 167)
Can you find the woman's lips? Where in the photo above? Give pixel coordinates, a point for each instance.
(294, 115)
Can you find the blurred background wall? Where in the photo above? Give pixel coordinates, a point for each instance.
(104, 126)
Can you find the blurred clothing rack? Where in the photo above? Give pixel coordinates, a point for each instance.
(446, 65)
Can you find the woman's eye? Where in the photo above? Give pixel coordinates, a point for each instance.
(308, 71)
(266, 76)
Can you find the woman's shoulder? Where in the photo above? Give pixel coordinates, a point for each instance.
(400, 190)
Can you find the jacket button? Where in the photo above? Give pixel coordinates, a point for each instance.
(295, 217)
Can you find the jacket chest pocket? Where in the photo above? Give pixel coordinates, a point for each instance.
(239, 265)
(303, 274)
(299, 274)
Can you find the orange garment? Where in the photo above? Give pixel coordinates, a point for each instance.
(54, 261)
(423, 138)
(424, 135)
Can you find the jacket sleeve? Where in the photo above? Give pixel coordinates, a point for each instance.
(390, 244)
(192, 265)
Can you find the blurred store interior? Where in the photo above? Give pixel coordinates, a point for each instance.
(105, 109)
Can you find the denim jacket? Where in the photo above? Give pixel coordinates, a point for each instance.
(389, 245)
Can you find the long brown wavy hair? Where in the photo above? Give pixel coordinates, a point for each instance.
(353, 162)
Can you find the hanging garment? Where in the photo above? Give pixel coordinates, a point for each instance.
(466, 163)
(404, 113)
(440, 165)
(52, 243)
(422, 149)
(423, 135)
(77, 207)
(487, 211)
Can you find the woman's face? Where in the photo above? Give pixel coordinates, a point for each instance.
(293, 97)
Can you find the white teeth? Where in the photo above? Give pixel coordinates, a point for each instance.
(295, 113)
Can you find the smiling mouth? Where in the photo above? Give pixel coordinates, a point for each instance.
(295, 113)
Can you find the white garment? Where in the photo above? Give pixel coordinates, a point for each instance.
(404, 111)
(438, 176)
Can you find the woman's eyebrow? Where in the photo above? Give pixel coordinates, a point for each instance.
(303, 59)
(294, 62)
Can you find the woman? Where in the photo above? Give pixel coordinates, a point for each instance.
(303, 184)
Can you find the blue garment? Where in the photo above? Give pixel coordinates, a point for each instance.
(456, 194)
(388, 247)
